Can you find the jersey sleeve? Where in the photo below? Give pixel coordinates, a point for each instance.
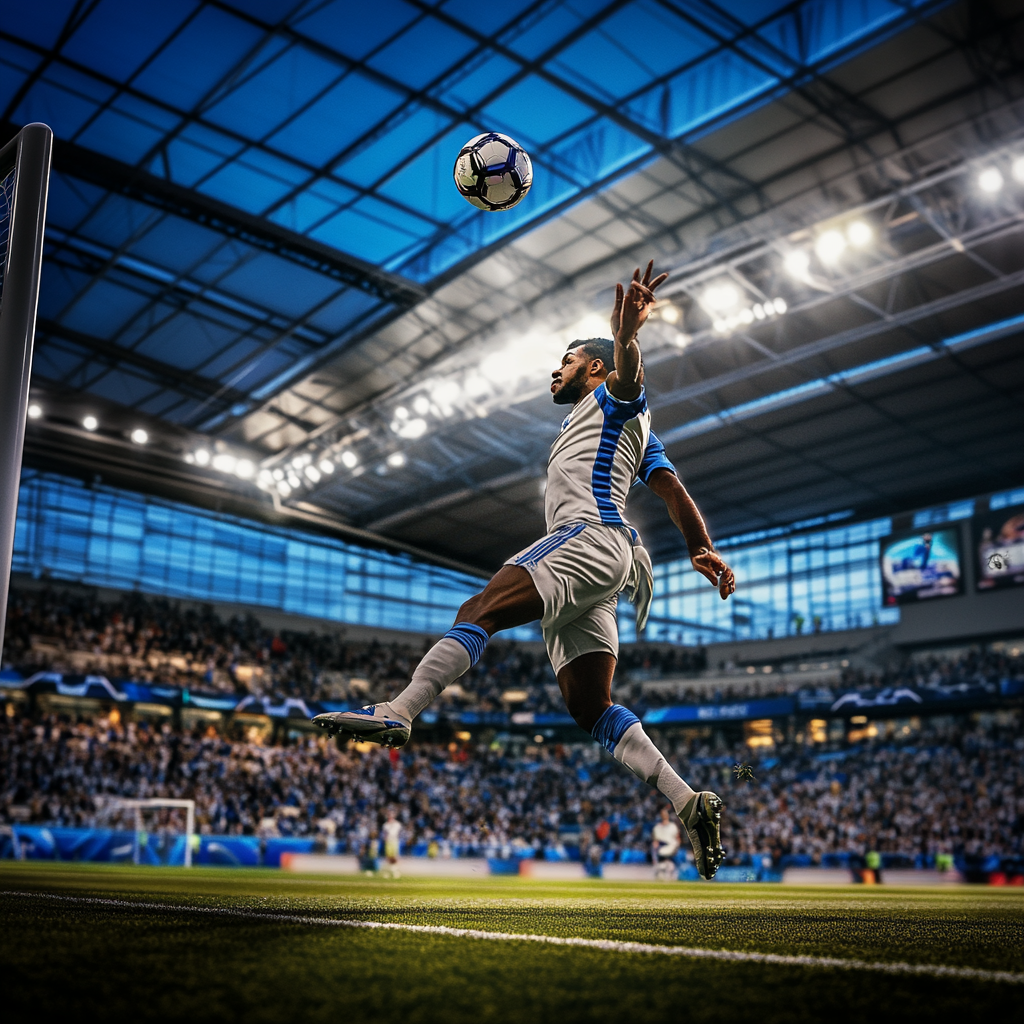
(654, 458)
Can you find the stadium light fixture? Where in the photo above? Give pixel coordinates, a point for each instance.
(278, 474)
(35, 411)
(293, 481)
(396, 460)
(1017, 169)
(670, 314)
(90, 423)
(283, 488)
(421, 405)
(265, 478)
(401, 413)
(139, 436)
(224, 462)
(349, 459)
(202, 457)
(326, 467)
(990, 180)
(720, 298)
(859, 234)
(312, 474)
(830, 246)
(244, 469)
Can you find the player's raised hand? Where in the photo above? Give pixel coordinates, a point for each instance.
(713, 568)
(634, 305)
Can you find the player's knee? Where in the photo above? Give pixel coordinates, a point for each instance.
(586, 709)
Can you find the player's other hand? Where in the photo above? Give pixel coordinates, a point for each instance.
(632, 307)
(714, 569)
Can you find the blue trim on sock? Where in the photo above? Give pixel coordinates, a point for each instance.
(609, 728)
(474, 638)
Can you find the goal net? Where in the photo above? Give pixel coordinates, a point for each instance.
(155, 822)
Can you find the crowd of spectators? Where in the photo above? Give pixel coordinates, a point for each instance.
(147, 639)
(941, 786)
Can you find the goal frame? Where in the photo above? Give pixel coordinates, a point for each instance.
(28, 156)
(155, 803)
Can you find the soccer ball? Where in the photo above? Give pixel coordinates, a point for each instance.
(493, 172)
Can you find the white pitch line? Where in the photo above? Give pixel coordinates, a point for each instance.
(605, 945)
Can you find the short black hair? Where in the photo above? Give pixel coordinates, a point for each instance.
(597, 348)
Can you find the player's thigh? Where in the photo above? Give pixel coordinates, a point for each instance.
(509, 599)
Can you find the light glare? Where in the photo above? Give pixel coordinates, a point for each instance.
(90, 423)
(139, 436)
(797, 263)
(349, 459)
(670, 314)
(396, 460)
(990, 180)
(313, 473)
(34, 411)
(1018, 169)
(421, 405)
(244, 469)
(326, 466)
(720, 298)
(830, 246)
(202, 457)
(224, 462)
(859, 233)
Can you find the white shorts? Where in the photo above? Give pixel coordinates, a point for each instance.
(579, 570)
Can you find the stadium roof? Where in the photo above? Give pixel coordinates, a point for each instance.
(255, 250)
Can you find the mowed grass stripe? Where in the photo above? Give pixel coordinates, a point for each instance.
(604, 945)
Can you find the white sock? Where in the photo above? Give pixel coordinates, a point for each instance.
(451, 657)
(636, 751)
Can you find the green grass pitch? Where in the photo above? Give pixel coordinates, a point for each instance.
(80, 958)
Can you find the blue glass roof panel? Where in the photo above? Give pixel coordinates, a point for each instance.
(487, 18)
(15, 65)
(403, 140)
(480, 76)
(422, 53)
(282, 87)
(254, 181)
(38, 22)
(312, 207)
(103, 308)
(540, 34)
(64, 99)
(70, 200)
(356, 29)
(278, 284)
(368, 230)
(123, 387)
(195, 153)
(120, 35)
(127, 130)
(187, 341)
(348, 308)
(203, 53)
(177, 244)
(534, 111)
(337, 119)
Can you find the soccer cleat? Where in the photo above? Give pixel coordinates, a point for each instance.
(702, 819)
(376, 723)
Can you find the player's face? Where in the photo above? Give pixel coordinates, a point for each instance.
(568, 382)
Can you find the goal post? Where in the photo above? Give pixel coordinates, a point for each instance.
(156, 803)
(24, 183)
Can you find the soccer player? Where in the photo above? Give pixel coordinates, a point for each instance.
(665, 840)
(392, 833)
(571, 578)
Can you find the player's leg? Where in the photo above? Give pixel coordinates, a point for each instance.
(585, 680)
(509, 599)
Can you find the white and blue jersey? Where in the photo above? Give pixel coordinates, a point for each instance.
(604, 446)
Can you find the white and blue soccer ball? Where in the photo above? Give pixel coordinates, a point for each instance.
(493, 172)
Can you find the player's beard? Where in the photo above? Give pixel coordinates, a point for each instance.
(573, 389)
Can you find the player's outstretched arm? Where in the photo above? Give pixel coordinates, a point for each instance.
(684, 513)
(632, 307)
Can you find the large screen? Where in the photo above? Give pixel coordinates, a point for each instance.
(999, 545)
(921, 565)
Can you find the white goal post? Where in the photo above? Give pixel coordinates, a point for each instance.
(140, 805)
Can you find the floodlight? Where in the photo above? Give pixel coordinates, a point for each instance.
(202, 457)
(1018, 169)
(278, 474)
(349, 459)
(670, 314)
(396, 460)
(326, 467)
(283, 489)
(244, 469)
(780, 306)
(266, 476)
(35, 411)
(721, 297)
(421, 405)
(313, 474)
(859, 233)
(401, 413)
(759, 312)
(830, 246)
(224, 462)
(797, 263)
(990, 180)
(139, 436)
(90, 423)
(294, 481)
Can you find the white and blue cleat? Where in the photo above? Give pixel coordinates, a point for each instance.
(702, 820)
(376, 723)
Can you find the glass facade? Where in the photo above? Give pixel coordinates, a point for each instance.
(825, 580)
(112, 538)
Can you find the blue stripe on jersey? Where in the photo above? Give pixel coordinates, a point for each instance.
(654, 458)
(611, 726)
(550, 543)
(473, 637)
(616, 415)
